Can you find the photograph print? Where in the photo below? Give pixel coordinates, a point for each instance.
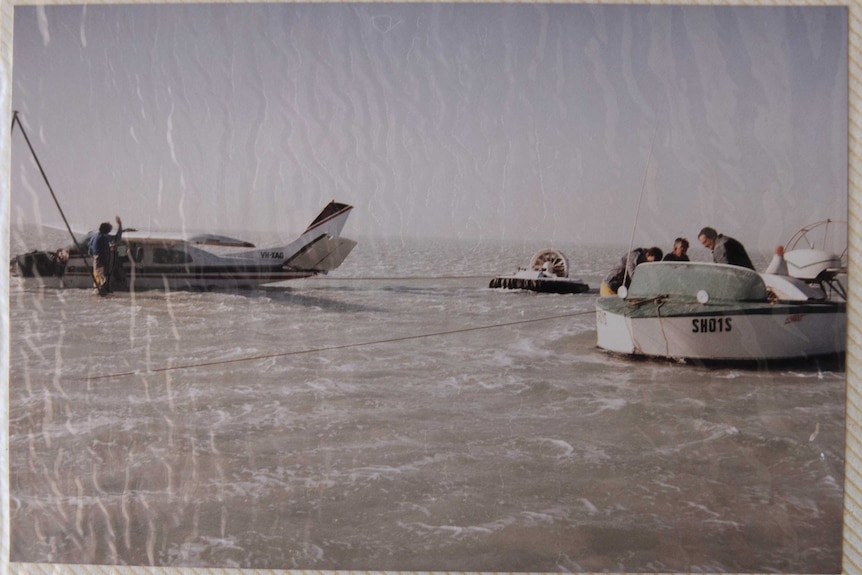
(428, 287)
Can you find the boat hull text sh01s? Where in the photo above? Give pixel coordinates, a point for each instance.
(706, 311)
(206, 261)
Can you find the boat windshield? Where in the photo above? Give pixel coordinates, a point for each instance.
(686, 279)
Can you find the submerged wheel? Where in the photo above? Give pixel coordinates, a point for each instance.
(556, 260)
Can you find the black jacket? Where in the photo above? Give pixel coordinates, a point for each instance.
(729, 251)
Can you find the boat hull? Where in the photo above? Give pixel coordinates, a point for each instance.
(751, 332)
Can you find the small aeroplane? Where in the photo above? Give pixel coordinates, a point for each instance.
(152, 260)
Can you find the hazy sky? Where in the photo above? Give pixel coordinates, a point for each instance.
(468, 120)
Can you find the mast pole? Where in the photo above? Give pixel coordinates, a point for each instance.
(17, 120)
(641, 196)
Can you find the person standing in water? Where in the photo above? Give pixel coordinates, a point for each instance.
(101, 248)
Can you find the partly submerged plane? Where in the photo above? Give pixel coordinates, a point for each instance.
(144, 260)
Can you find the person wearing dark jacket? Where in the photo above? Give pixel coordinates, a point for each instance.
(622, 273)
(101, 246)
(725, 250)
(679, 252)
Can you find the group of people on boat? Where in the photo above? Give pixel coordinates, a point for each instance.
(725, 250)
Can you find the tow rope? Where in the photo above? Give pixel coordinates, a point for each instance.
(330, 348)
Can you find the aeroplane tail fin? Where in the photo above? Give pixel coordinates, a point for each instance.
(331, 219)
(323, 254)
(320, 247)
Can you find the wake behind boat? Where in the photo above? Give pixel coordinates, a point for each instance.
(688, 310)
(143, 260)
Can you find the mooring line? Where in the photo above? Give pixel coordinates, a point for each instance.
(330, 348)
(389, 278)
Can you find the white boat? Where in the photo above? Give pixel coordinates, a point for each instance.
(706, 311)
(152, 260)
(548, 272)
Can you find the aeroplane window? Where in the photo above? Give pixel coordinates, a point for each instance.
(137, 253)
(182, 257)
(170, 256)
